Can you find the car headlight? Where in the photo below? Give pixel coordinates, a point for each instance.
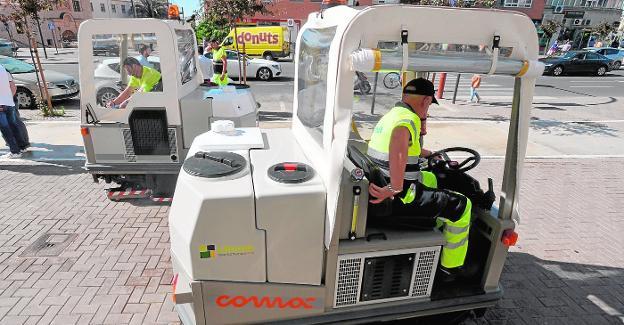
(50, 85)
(548, 65)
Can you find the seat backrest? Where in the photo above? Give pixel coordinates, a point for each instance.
(375, 176)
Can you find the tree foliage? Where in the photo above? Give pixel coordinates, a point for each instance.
(151, 8)
(24, 9)
(603, 29)
(550, 27)
(232, 11)
(207, 29)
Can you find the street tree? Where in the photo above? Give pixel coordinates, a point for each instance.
(211, 28)
(603, 30)
(232, 12)
(23, 12)
(151, 8)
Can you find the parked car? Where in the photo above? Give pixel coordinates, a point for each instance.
(107, 78)
(617, 55)
(7, 48)
(577, 62)
(60, 86)
(256, 68)
(106, 49)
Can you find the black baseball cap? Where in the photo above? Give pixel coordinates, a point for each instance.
(420, 86)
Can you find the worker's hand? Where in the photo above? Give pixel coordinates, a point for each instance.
(380, 193)
(222, 77)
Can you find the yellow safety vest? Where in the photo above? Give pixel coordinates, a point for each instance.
(400, 115)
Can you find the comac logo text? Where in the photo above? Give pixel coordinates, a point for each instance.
(225, 301)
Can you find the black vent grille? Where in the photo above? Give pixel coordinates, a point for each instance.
(149, 132)
(387, 277)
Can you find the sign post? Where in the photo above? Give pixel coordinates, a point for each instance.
(52, 27)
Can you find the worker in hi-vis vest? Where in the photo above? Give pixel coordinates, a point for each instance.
(219, 63)
(396, 148)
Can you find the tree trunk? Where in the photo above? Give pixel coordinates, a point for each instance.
(240, 71)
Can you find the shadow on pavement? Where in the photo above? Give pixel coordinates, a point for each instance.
(538, 291)
(569, 128)
(56, 168)
(45, 151)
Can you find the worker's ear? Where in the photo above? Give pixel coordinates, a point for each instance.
(427, 100)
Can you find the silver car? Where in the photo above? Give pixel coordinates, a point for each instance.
(60, 86)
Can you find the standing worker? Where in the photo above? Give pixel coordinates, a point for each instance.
(395, 147)
(144, 52)
(475, 83)
(8, 119)
(219, 63)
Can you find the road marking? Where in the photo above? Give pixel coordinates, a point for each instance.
(591, 86)
(597, 80)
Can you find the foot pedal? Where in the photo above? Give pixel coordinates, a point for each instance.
(120, 195)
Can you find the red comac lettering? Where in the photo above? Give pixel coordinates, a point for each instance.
(222, 301)
(265, 302)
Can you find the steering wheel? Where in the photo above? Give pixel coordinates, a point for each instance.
(463, 166)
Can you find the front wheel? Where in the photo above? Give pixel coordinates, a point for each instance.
(25, 98)
(557, 71)
(391, 80)
(264, 74)
(602, 70)
(106, 95)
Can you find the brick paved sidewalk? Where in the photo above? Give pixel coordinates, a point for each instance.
(567, 268)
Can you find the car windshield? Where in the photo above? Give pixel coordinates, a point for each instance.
(16, 66)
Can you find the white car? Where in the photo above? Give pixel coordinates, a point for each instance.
(256, 68)
(107, 78)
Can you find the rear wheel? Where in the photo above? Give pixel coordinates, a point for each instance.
(557, 71)
(602, 70)
(268, 56)
(617, 65)
(106, 95)
(25, 98)
(264, 74)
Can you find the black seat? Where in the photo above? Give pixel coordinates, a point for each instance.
(382, 214)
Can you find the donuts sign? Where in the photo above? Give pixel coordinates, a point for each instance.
(259, 38)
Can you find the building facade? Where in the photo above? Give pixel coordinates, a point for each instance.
(579, 17)
(111, 8)
(58, 25)
(532, 8)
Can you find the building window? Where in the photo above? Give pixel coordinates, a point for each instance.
(102, 8)
(113, 9)
(123, 9)
(91, 4)
(518, 3)
(76, 5)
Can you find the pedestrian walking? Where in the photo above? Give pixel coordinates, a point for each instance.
(566, 47)
(8, 117)
(553, 48)
(475, 83)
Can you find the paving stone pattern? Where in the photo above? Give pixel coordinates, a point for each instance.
(567, 268)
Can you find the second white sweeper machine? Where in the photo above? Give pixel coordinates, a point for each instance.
(141, 146)
(270, 225)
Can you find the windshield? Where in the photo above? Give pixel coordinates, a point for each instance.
(16, 66)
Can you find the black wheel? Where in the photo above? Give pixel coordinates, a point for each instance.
(601, 71)
(268, 56)
(617, 65)
(264, 74)
(557, 71)
(25, 98)
(392, 80)
(105, 95)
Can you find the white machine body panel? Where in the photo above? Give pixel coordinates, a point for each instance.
(293, 215)
(231, 102)
(212, 220)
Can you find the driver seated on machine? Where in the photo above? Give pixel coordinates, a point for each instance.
(416, 201)
(142, 79)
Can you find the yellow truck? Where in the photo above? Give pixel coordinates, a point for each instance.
(270, 42)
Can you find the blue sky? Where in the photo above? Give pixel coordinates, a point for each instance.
(188, 5)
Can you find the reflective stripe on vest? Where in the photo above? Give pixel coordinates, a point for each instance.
(399, 115)
(456, 235)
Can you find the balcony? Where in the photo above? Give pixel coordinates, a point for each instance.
(579, 4)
